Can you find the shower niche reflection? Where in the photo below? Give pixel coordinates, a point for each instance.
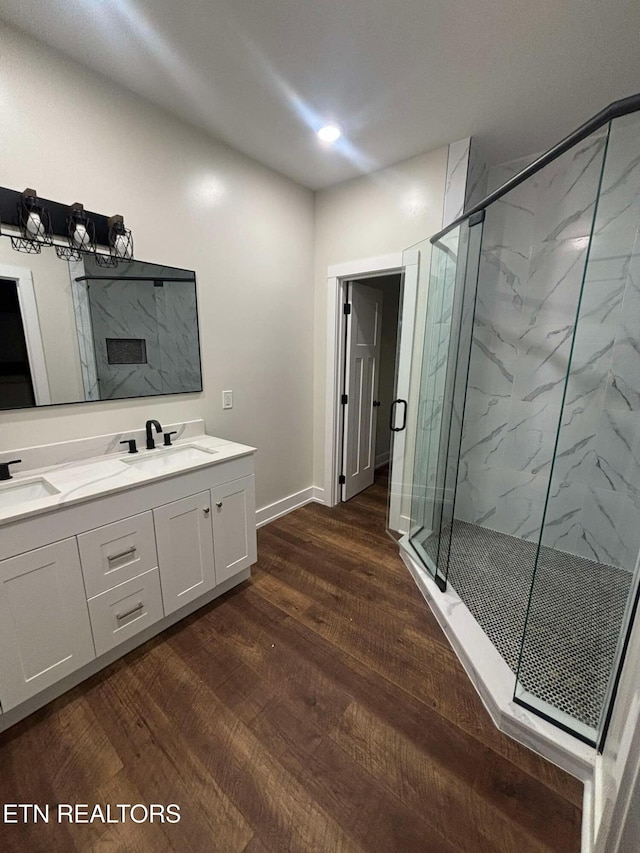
(526, 482)
(137, 330)
(93, 333)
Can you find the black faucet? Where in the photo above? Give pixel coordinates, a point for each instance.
(5, 474)
(150, 442)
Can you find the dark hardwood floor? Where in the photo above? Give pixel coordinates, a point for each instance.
(318, 707)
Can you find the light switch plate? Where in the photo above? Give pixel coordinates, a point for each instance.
(227, 399)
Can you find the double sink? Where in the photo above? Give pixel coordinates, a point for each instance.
(159, 462)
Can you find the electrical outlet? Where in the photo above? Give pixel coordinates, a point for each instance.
(227, 399)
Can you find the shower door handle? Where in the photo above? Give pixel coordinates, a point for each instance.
(392, 416)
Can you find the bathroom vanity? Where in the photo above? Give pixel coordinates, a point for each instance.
(101, 550)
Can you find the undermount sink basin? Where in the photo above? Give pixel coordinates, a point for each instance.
(12, 494)
(171, 459)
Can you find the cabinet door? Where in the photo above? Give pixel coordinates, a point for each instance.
(185, 550)
(234, 527)
(44, 621)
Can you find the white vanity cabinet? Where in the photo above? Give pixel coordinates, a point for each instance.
(45, 632)
(204, 540)
(232, 511)
(107, 574)
(185, 550)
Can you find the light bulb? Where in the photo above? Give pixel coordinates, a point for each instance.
(329, 133)
(34, 225)
(80, 235)
(121, 245)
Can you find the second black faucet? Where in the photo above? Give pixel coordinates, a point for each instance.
(150, 442)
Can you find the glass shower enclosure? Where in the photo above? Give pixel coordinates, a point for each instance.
(525, 495)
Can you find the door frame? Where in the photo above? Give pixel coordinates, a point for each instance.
(337, 277)
(31, 325)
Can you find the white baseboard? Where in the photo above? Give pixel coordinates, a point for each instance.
(286, 505)
(382, 459)
(588, 808)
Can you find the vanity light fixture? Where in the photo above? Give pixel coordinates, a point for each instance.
(120, 239)
(80, 234)
(35, 224)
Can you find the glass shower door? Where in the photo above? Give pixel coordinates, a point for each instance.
(427, 494)
(444, 358)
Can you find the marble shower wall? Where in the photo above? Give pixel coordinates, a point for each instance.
(477, 176)
(594, 505)
(161, 313)
(534, 257)
(466, 182)
(125, 310)
(456, 180)
(177, 324)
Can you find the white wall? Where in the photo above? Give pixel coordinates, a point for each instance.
(380, 213)
(193, 203)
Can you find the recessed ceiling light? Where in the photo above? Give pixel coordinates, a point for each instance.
(329, 133)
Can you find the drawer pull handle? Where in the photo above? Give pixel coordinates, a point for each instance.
(207, 510)
(133, 610)
(219, 504)
(122, 554)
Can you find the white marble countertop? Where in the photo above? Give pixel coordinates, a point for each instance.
(86, 479)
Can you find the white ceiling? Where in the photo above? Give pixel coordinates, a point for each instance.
(400, 76)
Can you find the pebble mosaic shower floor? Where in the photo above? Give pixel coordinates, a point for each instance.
(576, 612)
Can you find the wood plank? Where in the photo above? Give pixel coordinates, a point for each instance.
(485, 822)
(269, 797)
(330, 578)
(160, 761)
(267, 666)
(63, 760)
(354, 796)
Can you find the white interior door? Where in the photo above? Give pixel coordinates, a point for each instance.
(364, 325)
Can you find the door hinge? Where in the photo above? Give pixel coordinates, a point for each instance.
(344, 399)
(342, 480)
(347, 308)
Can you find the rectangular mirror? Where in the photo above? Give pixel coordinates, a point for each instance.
(79, 332)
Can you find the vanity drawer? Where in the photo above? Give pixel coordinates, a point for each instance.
(122, 612)
(117, 552)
